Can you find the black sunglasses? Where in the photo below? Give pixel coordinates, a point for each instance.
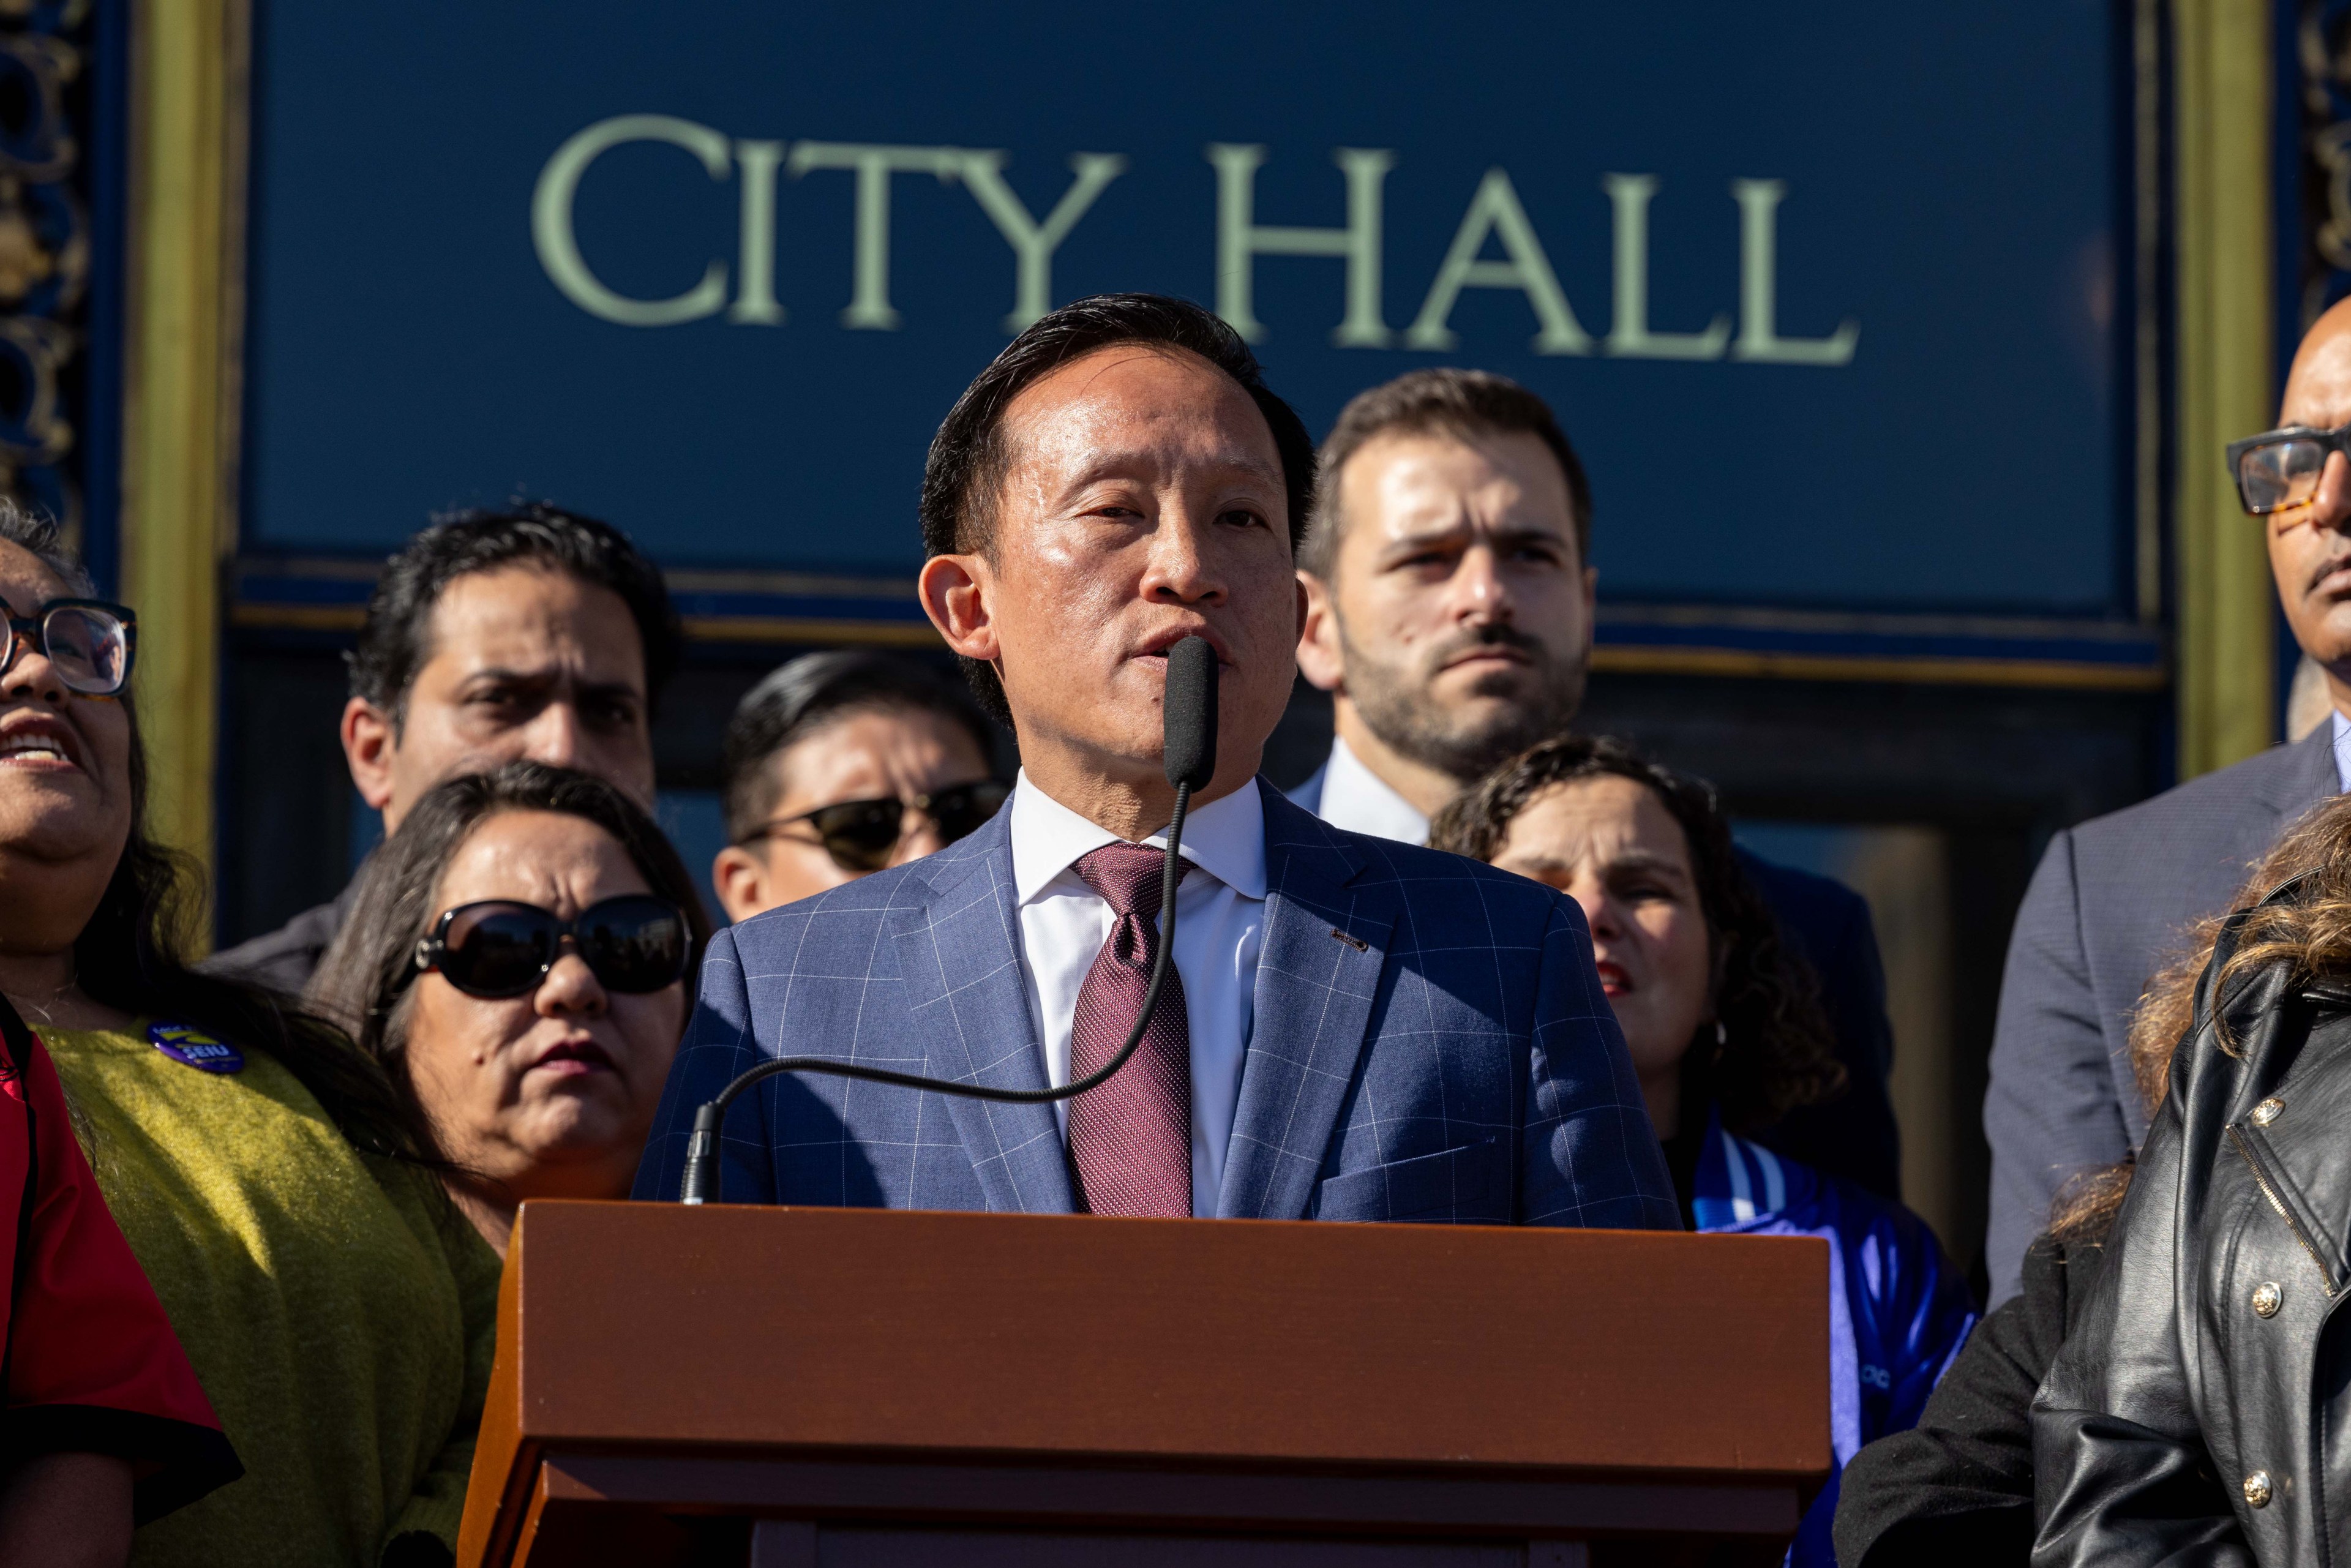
(88, 642)
(863, 835)
(501, 947)
(2280, 469)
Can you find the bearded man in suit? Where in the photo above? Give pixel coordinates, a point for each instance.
(1449, 591)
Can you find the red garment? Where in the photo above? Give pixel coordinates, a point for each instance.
(90, 1364)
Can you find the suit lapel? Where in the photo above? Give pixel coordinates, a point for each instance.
(958, 945)
(2308, 776)
(2303, 777)
(1318, 973)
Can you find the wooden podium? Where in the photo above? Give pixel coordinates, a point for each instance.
(856, 1388)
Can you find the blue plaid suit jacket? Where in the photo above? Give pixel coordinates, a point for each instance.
(1430, 1043)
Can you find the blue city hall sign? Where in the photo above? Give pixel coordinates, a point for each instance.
(1831, 301)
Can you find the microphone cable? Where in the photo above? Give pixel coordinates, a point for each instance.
(1189, 712)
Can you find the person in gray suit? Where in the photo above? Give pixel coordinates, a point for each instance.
(2114, 898)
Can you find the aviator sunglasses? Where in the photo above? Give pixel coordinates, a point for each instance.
(88, 642)
(501, 947)
(861, 835)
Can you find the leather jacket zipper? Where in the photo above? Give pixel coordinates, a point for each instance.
(2272, 1190)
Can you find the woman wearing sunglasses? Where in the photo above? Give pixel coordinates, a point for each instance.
(272, 1185)
(517, 957)
(840, 764)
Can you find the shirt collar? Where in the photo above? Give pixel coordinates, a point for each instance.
(2342, 750)
(1360, 801)
(1225, 838)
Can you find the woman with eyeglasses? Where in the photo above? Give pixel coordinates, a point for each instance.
(840, 764)
(516, 958)
(276, 1191)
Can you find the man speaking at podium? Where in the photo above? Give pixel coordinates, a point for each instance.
(1352, 1028)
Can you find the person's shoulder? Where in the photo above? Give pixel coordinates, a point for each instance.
(1792, 889)
(185, 1092)
(2055, 1281)
(86, 1059)
(1809, 1198)
(1909, 1266)
(2283, 778)
(1826, 918)
(850, 911)
(1869, 1213)
(282, 959)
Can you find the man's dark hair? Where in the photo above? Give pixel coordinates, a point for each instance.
(798, 698)
(1448, 402)
(1775, 1051)
(970, 459)
(392, 646)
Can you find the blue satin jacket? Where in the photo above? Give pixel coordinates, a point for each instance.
(1898, 1310)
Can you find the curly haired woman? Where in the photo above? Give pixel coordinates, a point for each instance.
(1726, 1034)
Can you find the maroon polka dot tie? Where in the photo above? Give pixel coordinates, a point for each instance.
(1130, 1138)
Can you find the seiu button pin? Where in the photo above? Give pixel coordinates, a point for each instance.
(195, 1048)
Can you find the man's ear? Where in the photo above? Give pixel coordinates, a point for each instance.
(1318, 637)
(957, 592)
(370, 741)
(739, 877)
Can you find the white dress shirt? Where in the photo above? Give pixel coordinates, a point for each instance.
(1220, 930)
(2342, 750)
(1360, 801)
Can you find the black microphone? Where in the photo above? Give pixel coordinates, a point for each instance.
(1189, 718)
(1188, 712)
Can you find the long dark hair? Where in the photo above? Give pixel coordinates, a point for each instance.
(1776, 1052)
(133, 952)
(363, 979)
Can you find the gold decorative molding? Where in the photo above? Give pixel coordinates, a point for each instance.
(2054, 675)
(45, 256)
(181, 375)
(2224, 243)
(2149, 209)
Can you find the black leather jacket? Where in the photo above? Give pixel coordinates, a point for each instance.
(2200, 1411)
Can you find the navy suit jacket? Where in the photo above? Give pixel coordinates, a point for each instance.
(2113, 901)
(1429, 1043)
(1827, 924)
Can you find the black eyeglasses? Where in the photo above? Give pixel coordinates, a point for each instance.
(2280, 469)
(863, 835)
(88, 642)
(501, 947)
